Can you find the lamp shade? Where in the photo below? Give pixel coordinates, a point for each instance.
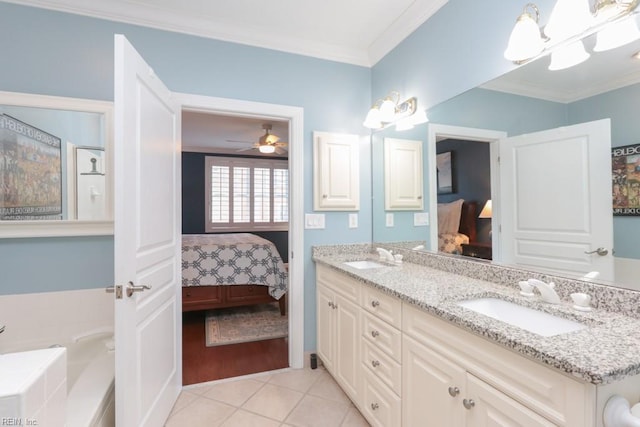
(487, 210)
(387, 111)
(525, 41)
(568, 18)
(616, 35)
(372, 121)
(568, 56)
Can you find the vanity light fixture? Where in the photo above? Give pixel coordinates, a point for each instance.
(390, 111)
(571, 21)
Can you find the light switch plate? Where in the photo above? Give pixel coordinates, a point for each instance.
(353, 220)
(389, 220)
(421, 219)
(314, 221)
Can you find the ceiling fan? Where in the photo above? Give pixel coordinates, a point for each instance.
(267, 143)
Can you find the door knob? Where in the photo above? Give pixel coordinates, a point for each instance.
(131, 288)
(599, 251)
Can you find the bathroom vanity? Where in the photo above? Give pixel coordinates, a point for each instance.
(406, 353)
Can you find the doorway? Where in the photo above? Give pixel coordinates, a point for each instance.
(444, 132)
(291, 348)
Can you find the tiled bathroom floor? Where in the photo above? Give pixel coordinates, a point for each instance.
(302, 398)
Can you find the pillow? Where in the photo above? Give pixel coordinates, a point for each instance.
(449, 216)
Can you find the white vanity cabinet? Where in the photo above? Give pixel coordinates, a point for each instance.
(381, 358)
(338, 328)
(454, 378)
(403, 179)
(336, 172)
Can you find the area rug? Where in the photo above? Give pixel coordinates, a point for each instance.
(245, 324)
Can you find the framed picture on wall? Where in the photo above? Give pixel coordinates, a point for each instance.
(625, 173)
(30, 172)
(445, 170)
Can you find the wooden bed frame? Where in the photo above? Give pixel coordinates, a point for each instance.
(468, 219)
(210, 297)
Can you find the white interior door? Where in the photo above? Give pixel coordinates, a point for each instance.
(556, 194)
(147, 243)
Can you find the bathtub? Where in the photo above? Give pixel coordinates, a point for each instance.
(91, 381)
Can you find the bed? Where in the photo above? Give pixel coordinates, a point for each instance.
(456, 225)
(230, 270)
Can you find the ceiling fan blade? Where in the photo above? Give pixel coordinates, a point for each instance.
(246, 149)
(281, 150)
(236, 140)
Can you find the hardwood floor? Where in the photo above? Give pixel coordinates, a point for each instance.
(201, 363)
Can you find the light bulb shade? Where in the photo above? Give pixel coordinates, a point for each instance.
(568, 56)
(616, 35)
(525, 41)
(387, 111)
(372, 121)
(419, 117)
(267, 149)
(487, 210)
(404, 124)
(568, 18)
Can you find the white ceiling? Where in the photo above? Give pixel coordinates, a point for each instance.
(359, 32)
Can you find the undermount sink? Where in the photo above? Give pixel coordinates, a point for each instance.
(535, 321)
(364, 264)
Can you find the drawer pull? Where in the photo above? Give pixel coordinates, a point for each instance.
(375, 363)
(375, 333)
(330, 304)
(374, 406)
(454, 391)
(468, 403)
(375, 303)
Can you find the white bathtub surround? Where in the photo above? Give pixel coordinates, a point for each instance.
(42, 319)
(33, 387)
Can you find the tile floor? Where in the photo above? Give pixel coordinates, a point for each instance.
(285, 398)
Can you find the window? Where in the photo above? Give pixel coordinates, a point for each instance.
(246, 194)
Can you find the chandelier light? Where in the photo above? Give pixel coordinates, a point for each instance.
(571, 20)
(390, 111)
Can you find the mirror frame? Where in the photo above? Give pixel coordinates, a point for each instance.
(73, 227)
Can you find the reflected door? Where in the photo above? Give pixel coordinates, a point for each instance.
(147, 243)
(557, 206)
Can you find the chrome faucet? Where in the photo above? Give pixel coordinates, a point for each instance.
(385, 254)
(547, 291)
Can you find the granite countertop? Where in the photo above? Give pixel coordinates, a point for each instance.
(605, 352)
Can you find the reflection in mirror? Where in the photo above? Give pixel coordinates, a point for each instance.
(54, 166)
(531, 99)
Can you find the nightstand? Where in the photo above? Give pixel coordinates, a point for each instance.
(477, 250)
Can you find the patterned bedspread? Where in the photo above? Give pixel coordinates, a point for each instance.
(232, 259)
(452, 243)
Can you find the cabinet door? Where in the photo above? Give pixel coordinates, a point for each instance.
(492, 408)
(403, 174)
(432, 388)
(336, 172)
(347, 361)
(325, 326)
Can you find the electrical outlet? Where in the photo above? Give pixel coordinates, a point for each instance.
(353, 220)
(389, 220)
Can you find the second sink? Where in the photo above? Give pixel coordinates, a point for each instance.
(535, 321)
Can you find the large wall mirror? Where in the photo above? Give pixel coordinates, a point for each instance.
(530, 99)
(55, 166)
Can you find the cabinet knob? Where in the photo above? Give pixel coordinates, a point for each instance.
(375, 363)
(374, 406)
(375, 333)
(375, 303)
(330, 304)
(324, 196)
(454, 391)
(468, 403)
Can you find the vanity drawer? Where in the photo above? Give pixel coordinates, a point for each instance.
(384, 306)
(557, 397)
(382, 336)
(383, 366)
(380, 406)
(339, 282)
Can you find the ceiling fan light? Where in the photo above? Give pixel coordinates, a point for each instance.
(568, 56)
(525, 41)
(267, 149)
(617, 35)
(568, 18)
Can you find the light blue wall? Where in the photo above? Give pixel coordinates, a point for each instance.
(66, 55)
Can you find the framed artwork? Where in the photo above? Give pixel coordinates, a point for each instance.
(625, 165)
(445, 170)
(30, 172)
